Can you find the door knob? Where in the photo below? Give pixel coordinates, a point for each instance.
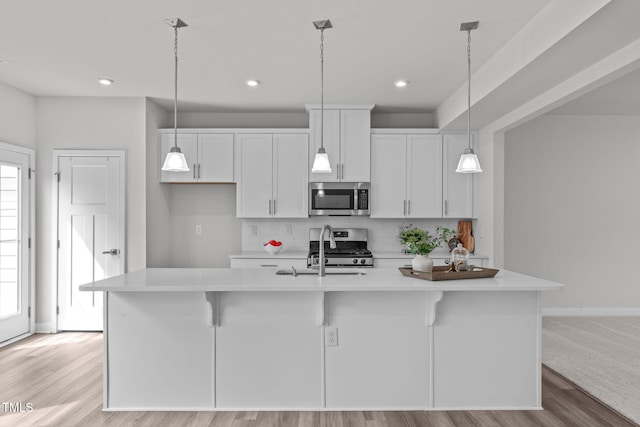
(112, 252)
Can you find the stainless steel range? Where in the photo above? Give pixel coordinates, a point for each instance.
(350, 251)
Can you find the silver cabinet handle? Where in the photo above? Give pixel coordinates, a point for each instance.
(404, 212)
(199, 168)
(409, 207)
(194, 171)
(341, 170)
(269, 206)
(112, 252)
(338, 170)
(268, 265)
(274, 206)
(446, 208)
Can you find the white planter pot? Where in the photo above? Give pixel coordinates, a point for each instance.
(422, 263)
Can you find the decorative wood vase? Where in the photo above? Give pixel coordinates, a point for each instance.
(465, 235)
(422, 263)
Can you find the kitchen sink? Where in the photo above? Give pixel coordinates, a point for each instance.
(328, 272)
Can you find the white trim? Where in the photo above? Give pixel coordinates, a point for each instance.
(405, 130)
(318, 409)
(591, 311)
(234, 130)
(56, 154)
(45, 328)
(339, 107)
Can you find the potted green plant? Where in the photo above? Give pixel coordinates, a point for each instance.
(420, 242)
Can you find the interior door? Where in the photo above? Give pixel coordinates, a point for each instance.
(90, 235)
(14, 244)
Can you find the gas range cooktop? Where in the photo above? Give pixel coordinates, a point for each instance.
(350, 251)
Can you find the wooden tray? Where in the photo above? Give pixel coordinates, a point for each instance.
(442, 273)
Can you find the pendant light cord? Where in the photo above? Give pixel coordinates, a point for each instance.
(175, 98)
(469, 86)
(322, 88)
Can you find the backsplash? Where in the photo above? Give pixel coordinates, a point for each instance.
(294, 233)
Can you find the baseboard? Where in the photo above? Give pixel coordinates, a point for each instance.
(588, 311)
(45, 328)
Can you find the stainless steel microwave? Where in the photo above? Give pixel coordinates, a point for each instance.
(339, 198)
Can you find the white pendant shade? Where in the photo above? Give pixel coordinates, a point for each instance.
(321, 162)
(175, 161)
(468, 163)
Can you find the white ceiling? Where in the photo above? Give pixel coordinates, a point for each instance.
(60, 48)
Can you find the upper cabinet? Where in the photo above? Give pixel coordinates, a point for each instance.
(406, 176)
(209, 156)
(413, 175)
(457, 187)
(347, 136)
(272, 172)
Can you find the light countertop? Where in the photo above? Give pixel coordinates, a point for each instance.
(265, 279)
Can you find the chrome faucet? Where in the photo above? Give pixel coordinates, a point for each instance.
(332, 245)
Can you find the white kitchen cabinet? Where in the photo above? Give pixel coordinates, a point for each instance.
(272, 175)
(346, 140)
(209, 156)
(457, 187)
(406, 176)
(278, 262)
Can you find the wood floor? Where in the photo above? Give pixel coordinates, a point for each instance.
(61, 377)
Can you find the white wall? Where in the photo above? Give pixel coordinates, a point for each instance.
(17, 117)
(383, 233)
(88, 123)
(213, 207)
(571, 206)
(158, 195)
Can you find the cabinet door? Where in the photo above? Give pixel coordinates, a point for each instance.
(188, 143)
(355, 145)
(457, 187)
(290, 176)
(388, 176)
(331, 143)
(215, 154)
(424, 176)
(254, 189)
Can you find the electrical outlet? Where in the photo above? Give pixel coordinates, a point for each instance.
(254, 230)
(198, 229)
(331, 336)
(289, 229)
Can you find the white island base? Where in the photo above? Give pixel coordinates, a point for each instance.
(222, 339)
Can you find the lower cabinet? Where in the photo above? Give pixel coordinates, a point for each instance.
(268, 351)
(279, 262)
(160, 351)
(382, 360)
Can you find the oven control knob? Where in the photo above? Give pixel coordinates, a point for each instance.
(355, 260)
(363, 261)
(326, 261)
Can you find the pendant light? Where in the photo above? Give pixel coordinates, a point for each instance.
(321, 162)
(468, 160)
(175, 160)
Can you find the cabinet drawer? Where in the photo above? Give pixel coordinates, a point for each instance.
(281, 263)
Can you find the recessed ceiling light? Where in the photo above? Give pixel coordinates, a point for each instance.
(401, 83)
(105, 81)
(253, 83)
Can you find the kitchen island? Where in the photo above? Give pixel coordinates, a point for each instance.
(248, 339)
